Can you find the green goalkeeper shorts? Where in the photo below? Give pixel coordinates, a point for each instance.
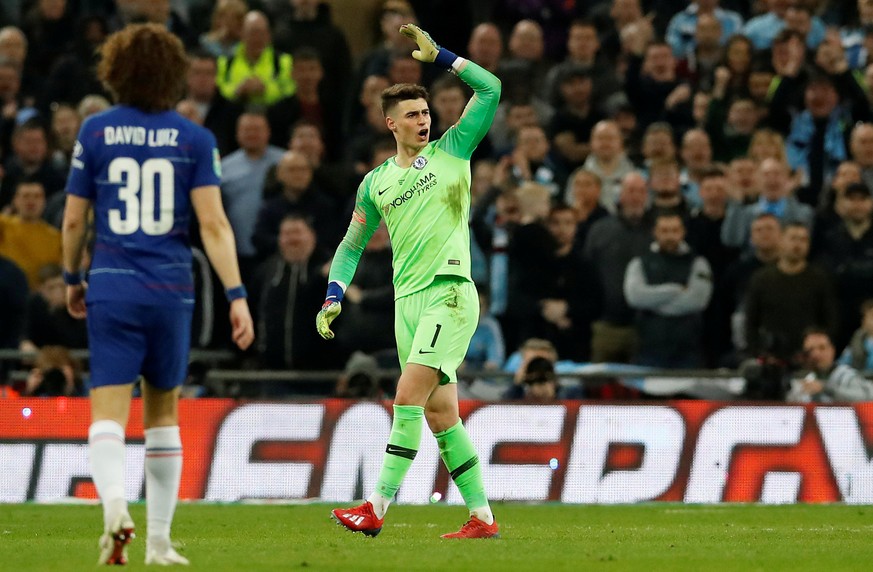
(434, 326)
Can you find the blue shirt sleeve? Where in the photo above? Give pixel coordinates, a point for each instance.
(81, 180)
(207, 161)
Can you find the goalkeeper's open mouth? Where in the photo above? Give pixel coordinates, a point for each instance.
(422, 134)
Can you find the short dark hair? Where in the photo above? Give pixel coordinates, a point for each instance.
(306, 53)
(401, 92)
(866, 306)
(816, 331)
(560, 208)
(669, 213)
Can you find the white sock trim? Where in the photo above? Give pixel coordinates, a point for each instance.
(484, 514)
(380, 504)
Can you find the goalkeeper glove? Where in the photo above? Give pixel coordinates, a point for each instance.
(329, 310)
(428, 50)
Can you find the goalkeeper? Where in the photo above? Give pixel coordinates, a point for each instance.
(423, 193)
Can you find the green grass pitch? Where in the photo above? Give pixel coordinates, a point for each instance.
(544, 538)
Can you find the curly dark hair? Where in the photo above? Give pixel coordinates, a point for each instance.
(401, 92)
(144, 66)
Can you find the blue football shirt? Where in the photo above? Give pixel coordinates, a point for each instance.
(138, 170)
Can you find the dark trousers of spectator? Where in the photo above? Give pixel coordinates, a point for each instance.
(613, 343)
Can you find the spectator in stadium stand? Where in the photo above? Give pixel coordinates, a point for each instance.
(530, 261)
(669, 287)
(658, 144)
(743, 180)
(525, 59)
(575, 117)
(698, 64)
(696, 153)
(368, 304)
(826, 381)
(332, 177)
(583, 195)
(538, 383)
(583, 55)
(359, 144)
(286, 288)
(310, 102)
(766, 236)
(257, 73)
(486, 46)
(861, 147)
(786, 298)
(225, 28)
(512, 115)
(818, 139)
(13, 304)
(532, 162)
(729, 123)
(683, 27)
(392, 15)
(855, 36)
(25, 238)
(403, 68)
(572, 297)
(14, 107)
(297, 194)
(487, 350)
(448, 99)
(308, 23)
(763, 29)
(704, 237)
(13, 47)
(775, 199)
(74, 74)
(30, 160)
(56, 373)
(622, 15)
(92, 104)
(611, 244)
(48, 323)
(356, 110)
(65, 122)
(609, 162)
(154, 11)
(826, 216)
(859, 352)
(50, 29)
(666, 189)
(846, 251)
(739, 61)
(651, 84)
(242, 184)
(216, 112)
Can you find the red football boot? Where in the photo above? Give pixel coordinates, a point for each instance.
(359, 519)
(475, 528)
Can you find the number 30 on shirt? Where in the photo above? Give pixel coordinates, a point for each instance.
(137, 190)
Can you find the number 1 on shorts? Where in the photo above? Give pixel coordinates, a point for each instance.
(435, 335)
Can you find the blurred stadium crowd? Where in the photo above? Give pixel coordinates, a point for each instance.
(668, 184)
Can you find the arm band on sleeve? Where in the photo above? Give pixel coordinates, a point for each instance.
(72, 278)
(334, 292)
(236, 293)
(445, 59)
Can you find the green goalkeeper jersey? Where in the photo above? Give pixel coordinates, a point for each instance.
(426, 206)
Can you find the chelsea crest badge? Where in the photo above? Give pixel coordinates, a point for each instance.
(419, 163)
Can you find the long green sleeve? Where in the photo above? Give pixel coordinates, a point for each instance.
(463, 137)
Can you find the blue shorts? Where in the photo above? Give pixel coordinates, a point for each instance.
(127, 340)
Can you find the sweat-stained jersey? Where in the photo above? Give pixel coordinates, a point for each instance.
(138, 170)
(426, 206)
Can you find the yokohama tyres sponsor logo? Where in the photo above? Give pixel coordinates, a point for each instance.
(575, 452)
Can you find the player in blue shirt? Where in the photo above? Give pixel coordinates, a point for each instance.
(143, 169)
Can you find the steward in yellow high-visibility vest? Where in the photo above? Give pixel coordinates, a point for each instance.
(262, 82)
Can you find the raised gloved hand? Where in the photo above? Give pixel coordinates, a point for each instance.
(428, 50)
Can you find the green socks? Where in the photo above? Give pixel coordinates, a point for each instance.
(461, 460)
(402, 447)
